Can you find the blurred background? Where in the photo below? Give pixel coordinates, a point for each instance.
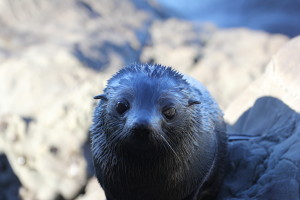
(56, 55)
(272, 16)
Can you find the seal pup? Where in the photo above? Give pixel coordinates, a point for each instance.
(157, 135)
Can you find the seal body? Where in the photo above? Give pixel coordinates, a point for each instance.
(157, 136)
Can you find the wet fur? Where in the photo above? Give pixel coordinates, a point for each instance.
(185, 159)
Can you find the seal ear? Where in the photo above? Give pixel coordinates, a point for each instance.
(101, 96)
(192, 102)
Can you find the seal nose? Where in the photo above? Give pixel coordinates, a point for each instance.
(141, 129)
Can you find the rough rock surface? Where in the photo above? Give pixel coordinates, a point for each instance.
(265, 161)
(100, 33)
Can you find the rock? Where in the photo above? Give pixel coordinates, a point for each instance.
(265, 161)
(100, 34)
(38, 78)
(280, 80)
(45, 165)
(228, 66)
(218, 58)
(173, 43)
(93, 191)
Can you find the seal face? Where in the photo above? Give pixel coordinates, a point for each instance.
(154, 136)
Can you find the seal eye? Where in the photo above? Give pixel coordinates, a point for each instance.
(122, 107)
(169, 113)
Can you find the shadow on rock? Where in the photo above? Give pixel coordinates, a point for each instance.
(9, 183)
(265, 161)
(99, 55)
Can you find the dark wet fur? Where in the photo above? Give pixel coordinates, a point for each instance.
(179, 160)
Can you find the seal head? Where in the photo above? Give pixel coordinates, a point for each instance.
(154, 136)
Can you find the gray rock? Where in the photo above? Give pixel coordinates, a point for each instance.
(265, 165)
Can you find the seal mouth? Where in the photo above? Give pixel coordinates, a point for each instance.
(141, 137)
(141, 133)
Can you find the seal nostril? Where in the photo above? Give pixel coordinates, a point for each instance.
(141, 131)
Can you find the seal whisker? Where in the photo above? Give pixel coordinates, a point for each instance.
(168, 144)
